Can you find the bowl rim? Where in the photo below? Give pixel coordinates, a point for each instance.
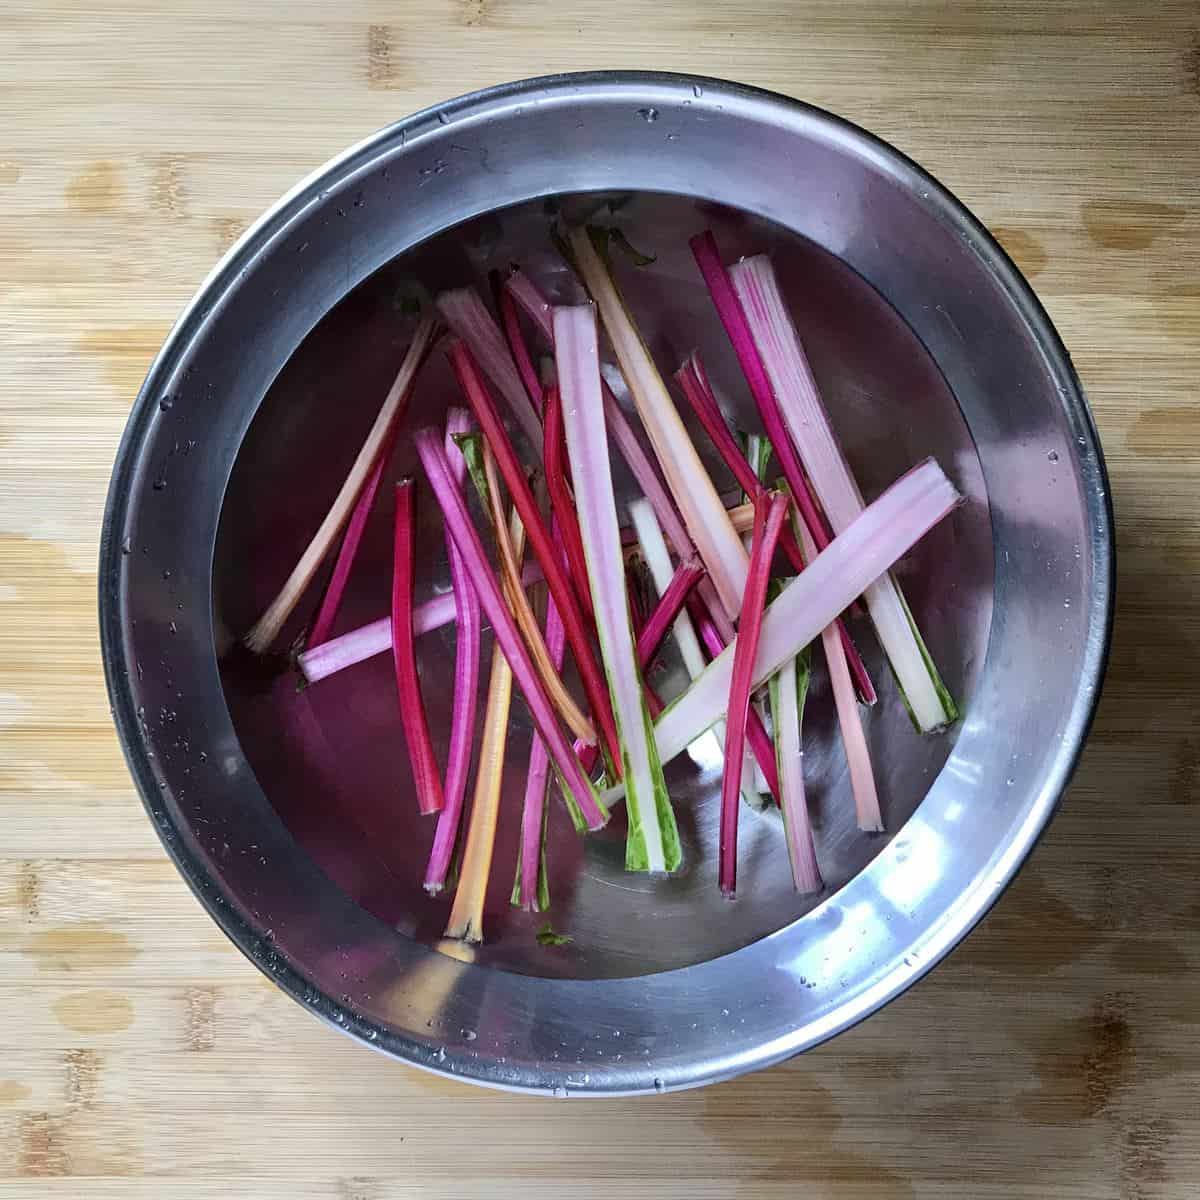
(1097, 499)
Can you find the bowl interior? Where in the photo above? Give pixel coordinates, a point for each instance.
(331, 758)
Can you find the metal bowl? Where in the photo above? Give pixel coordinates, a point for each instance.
(288, 813)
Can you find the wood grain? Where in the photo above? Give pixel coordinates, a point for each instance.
(1056, 1054)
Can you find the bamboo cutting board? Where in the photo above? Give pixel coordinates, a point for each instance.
(1056, 1054)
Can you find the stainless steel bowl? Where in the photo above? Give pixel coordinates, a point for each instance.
(288, 814)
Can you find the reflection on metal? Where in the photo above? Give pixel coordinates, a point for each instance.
(912, 876)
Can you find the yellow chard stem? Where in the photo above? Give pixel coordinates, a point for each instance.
(466, 914)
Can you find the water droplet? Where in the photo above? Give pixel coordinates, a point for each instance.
(672, 137)
(659, 1086)
(127, 545)
(649, 115)
(372, 1034)
(159, 484)
(1010, 781)
(166, 573)
(1053, 456)
(441, 1054)
(359, 200)
(166, 403)
(1081, 440)
(443, 119)
(470, 1034)
(696, 91)
(341, 212)
(300, 249)
(1066, 604)
(173, 627)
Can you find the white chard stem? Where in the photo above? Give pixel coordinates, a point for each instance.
(653, 841)
(268, 626)
(719, 546)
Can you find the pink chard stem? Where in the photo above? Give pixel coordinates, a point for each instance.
(468, 628)
(789, 686)
(669, 606)
(530, 888)
(637, 606)
(729, 309)
(466, 538)
(470, 321)
(529, 297)
(465, 922)
(588, 756)
(645, 647)
(376, 636)
(768, 521)
(693, 382)
(858, 757)
(510, 320)
(757, 736)
(426, 780)
(331, 602)
(561, 500)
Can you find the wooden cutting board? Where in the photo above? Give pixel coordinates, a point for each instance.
(1056, 1054)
